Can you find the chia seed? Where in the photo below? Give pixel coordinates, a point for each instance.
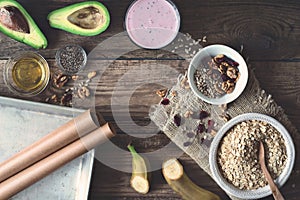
(71, 58)
(206, 83)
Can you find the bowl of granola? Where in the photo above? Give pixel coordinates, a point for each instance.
(234, 160)
(218, 74)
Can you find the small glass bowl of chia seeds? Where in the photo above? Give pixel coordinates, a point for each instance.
(71, 58)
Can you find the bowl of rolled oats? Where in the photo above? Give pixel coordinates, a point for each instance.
(234, 160)
(218, 74)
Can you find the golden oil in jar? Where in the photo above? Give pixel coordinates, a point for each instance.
(28, 73)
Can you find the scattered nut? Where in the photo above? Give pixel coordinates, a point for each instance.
(60, 80)
(188, 113)
(174, 93)
(230, 90)
(162, 93)
(226, 117)
(231, 72)
(83, 92)
(75, 77)
(222, 69)
(66, 99)
(213, 132)
(54, 98)
(219, 58)
(228, 86)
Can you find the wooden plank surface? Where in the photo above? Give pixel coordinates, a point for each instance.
(267, 31)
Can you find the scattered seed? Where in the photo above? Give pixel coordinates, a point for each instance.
(91, 74)
(223, 107)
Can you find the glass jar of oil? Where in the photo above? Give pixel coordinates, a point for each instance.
(27, 74)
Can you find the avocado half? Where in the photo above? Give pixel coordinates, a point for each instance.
(87, 18)
(16, 23)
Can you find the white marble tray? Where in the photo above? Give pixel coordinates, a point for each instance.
(24, 122)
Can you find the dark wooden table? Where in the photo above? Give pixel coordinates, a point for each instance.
(268, 31)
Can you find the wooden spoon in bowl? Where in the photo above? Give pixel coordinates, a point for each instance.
(275, 191)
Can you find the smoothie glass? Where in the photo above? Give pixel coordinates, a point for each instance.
(152, 24)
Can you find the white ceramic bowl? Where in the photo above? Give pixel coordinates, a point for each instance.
(261, 192)
(213, 50)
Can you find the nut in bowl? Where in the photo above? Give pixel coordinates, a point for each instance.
(234, 159)
(218, 74)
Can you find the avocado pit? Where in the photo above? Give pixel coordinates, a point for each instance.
(12, 18)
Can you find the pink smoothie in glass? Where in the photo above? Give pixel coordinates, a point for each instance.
(152, 24)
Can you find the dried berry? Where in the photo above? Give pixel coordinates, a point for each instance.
(177, 120)
(225, 77)
(206, 142)
(203, 114)
(165, 101)
(210, 125)
(201, 140)
(186, 144)
(219, 58)
(232, 62)
(190, 135)
(201, 128)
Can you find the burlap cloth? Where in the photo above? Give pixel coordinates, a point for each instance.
(185, 104)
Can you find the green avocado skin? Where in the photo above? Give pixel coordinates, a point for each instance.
(58, 18)
(35, 38)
